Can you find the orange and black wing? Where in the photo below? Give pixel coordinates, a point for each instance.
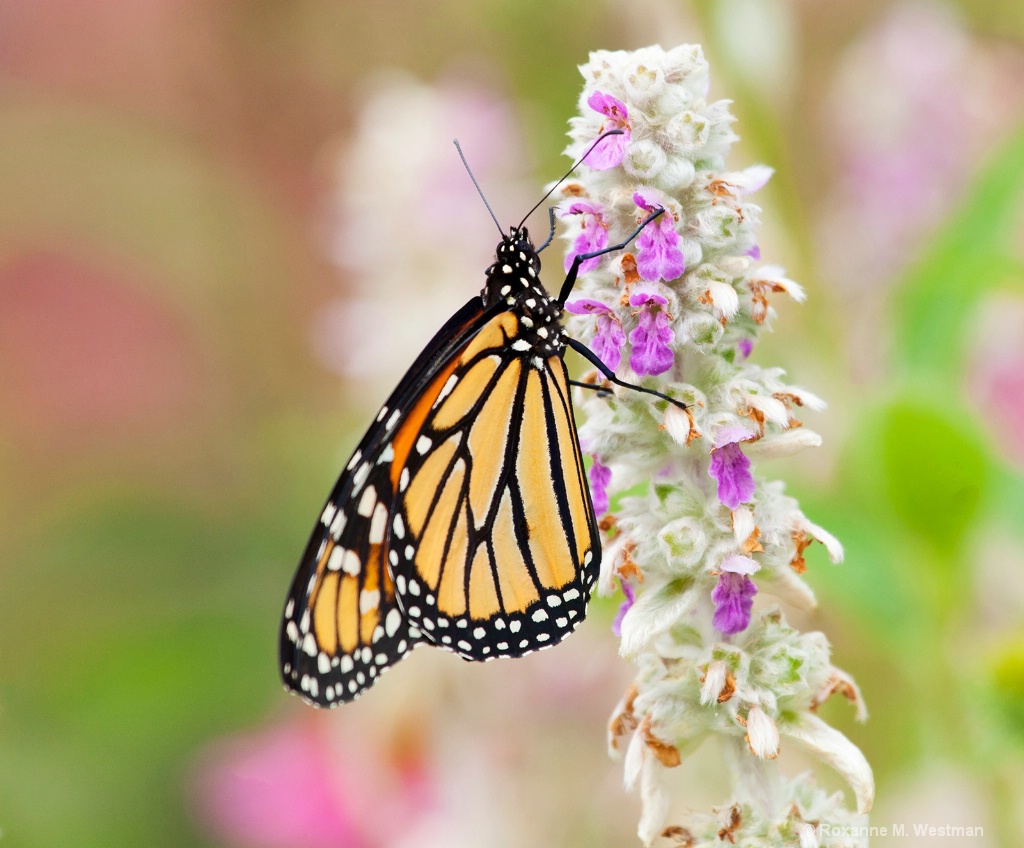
(463, 519)
(493, 541)
(343, 624)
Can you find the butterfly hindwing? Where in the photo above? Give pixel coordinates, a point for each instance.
(499, 544)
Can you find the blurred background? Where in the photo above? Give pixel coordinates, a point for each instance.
(225, 229)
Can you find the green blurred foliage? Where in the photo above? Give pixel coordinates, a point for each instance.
(935, 474)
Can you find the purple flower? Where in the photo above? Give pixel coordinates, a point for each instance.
(746, 347)
(627, 590)
(658, 255)
(730, 467)
(610, 151)
(610, 338)
(600, 477)
(734, 595)
(594, 235)
(652, 335)
(754, 252)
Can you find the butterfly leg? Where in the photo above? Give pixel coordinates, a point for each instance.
(574, 269)
(602, 391)
(609, 375)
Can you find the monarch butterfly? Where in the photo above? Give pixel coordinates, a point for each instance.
(463, 518)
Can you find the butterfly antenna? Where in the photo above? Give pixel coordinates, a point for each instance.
(478, 189)
(578, 162)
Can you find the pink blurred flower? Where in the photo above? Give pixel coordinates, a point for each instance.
(287, 786)
(995, 374)
(90, 354)
(914, 106)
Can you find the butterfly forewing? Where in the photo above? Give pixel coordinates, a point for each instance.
(342, 624)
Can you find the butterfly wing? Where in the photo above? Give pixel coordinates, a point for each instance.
(342, 624)
(494, 540)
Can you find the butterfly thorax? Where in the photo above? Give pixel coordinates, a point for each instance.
(514, 279)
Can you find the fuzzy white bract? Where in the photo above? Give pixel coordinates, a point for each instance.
(710, 537)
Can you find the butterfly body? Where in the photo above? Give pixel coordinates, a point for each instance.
(463, 518)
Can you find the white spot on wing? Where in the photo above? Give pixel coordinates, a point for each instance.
(328, 514)
(367, 501)
(334, 560)
(378, 524)
(338, 524)
(351, 563)
(368, 599)
(447, 388)
(360, 476)
(423, 444)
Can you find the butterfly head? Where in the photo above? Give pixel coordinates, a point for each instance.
(514, 276)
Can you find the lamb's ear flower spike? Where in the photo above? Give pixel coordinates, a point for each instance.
(702, 556)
